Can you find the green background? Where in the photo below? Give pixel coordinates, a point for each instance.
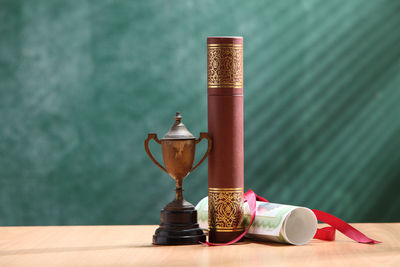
(83, 82)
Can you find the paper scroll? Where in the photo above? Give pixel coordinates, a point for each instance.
(273, 222)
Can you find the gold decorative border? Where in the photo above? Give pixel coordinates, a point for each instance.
(225, 65)
(238, 229)
(224, 86)
(235, 189)
(236, 46)
(225, 207)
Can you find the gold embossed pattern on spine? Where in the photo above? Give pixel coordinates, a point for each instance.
(225, 65)
(226, 207)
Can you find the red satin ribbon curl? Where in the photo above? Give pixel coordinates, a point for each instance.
(326, 233)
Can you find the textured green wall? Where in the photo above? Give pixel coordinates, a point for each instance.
(83, 82)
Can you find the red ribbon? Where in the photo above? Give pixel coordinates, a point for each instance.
(326, 233)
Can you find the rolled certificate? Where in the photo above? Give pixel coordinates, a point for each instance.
(225, 127)
(273, 222)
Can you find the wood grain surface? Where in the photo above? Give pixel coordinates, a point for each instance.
(131, 246)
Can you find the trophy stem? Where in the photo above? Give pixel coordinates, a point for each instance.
(178, 194)
(178, 190)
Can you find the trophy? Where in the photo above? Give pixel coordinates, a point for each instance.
(178, 218)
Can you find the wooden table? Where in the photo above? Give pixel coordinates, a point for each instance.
(131, 246)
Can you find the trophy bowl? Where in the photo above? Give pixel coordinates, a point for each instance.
(178, 218)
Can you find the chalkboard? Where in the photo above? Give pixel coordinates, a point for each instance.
(83, 82)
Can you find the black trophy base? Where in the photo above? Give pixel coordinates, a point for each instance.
(178, 227)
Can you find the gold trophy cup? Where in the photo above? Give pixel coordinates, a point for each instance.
(179, 217)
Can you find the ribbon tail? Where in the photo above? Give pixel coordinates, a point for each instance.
(328, 233)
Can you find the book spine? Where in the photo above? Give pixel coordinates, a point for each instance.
(225, 127)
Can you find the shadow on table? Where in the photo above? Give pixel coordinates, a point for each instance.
(67, 249)
(127, 246)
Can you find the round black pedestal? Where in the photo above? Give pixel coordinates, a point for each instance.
(178, 227)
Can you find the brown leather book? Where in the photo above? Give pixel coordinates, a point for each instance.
(225, 127)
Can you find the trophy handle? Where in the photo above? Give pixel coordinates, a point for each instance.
(203, 135)
(146, 147)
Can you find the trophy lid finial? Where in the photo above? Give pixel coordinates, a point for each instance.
(178, 117)
(178, 130)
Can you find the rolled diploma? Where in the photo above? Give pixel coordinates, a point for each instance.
(273, 222)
